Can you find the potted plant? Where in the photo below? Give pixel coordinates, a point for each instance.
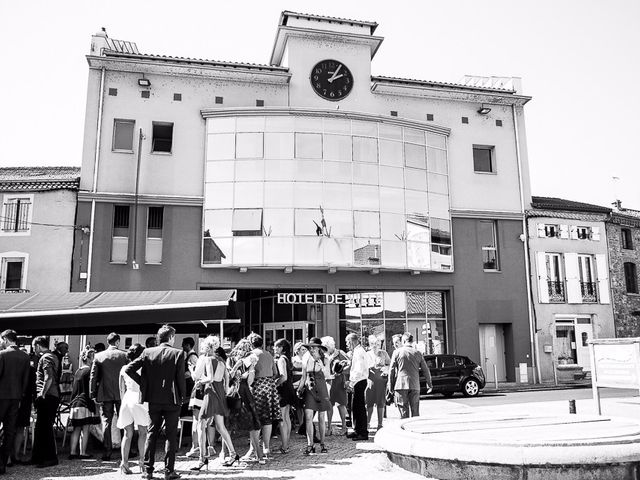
(565, 358)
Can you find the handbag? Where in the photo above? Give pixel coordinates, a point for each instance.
(197, 395)
(389, 397)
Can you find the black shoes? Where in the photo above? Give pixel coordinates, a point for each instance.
(201, 465)
(49, 463)
(351, 435)
(360, 438)
(106, 457)
(171, 476)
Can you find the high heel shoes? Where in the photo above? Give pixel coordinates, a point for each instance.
(124, 469)
(309, 450)
(201, 464)
(233, 458)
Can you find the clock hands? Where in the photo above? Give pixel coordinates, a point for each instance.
(335, 74)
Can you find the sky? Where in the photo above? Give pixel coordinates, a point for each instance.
(578, 59)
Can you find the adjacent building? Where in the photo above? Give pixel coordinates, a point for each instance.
(332, 199)
(623, 235)
(37, 228)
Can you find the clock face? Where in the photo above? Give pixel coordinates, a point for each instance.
(331, 80)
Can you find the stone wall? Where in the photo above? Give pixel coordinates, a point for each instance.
(626, 306)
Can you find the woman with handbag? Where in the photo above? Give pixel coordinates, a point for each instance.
(339, 368)
(211, 373)
(287, 394)
(314, 392)
(83, 409)
(378, 374)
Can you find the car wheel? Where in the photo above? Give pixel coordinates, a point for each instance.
(448, 394)
(470, 388)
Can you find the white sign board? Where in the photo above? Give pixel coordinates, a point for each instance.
(615, 363)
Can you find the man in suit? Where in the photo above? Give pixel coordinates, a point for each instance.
(105, 386)
(160, 373)
(358, 382)
(404, 377)
(14, 380)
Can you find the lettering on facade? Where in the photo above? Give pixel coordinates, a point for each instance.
(312, 298)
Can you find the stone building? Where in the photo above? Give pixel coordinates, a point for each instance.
(623, 236)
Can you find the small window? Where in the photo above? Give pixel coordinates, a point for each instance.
(483, 160)
(219, 100)
(162, 137)
(177, 97)
(627, 239)
(488, 244)
(247, 222)
(155, 220)
(551, 231)
(145, 94)
(16, 215)
(259, 103)
(120, 234)
(123, 135)
(393, 113)
(630, 277)
(465, 120)
(584, 233)
(429, 117)
(498, 123)
(12, 274)
(113, 92)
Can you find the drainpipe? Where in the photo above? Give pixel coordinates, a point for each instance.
(94, 189)
(533, 338)
(135, 213)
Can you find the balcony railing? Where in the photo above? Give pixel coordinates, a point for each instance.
(14, 290)
(556, 291)
(589, 292)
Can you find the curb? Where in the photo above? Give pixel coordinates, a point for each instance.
(537, 388)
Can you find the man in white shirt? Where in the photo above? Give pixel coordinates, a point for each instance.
(358, 380)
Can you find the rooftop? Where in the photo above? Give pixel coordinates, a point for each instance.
(323, 18)
(553, 203)
(39, 178)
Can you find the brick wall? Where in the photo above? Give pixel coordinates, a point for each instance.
(626, 306)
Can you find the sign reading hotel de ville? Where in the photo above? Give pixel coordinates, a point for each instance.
(312, 298)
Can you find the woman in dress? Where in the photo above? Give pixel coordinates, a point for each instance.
(337, 381)
(378, 373)
(83, 409)
(211, 373)
(285, 389)
(132, 414)
(296, 363)
(313, 390)
(243, 368)
(264, 390)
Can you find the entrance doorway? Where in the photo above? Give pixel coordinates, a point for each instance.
(571, 343)
(492, 351)
(291, 331)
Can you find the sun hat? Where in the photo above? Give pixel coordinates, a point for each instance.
(315, 342)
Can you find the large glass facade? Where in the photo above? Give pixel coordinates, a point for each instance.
(318, 191)
(385, 314)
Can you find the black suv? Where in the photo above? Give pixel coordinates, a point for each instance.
(451, 374)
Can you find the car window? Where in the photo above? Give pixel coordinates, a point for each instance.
(431, 362)
(447, 361)
(459, 361)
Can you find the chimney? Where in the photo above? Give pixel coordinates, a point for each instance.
(99, 42)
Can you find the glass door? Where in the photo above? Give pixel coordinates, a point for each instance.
(291, 331)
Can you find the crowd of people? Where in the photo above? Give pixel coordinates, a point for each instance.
(148, 389)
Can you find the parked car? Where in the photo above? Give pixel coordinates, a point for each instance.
(453, 373)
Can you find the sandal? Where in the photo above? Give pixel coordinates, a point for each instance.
(309, 450)
(283, 450)
(323, 449)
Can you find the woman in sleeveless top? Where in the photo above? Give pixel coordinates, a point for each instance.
(132, 413)
(83, 409)
(313, 388)
(285, 389)
(264, 390)
(338, 366)
(378, 373)
(212, 374)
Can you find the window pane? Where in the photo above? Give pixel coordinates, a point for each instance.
(415, 156)
(221, 125)
(308, 221)
(339, 224)
(337, 147)
(365, 149)
(418, 229)
(278, 223)
(391, 200)
(248, 194)
(368, 129)
(418, 255)
(437, 160)
(119, 250)
(220, 171)
(248, 170)
(247, 220)
(365, 198)
(308, 145)
(279, 124)
(365, 173)
(278, 195)
(307, 194)
(371, 305)
(489, 259)
(394, 254)
(416, 305)
(394, 305)
(435, 140)
(162, 137)
(123, 135)
(338, 251)
(278, 251)
(486, 234)
(247, 250)
(392, 132)
(351, 309)
(308, 124)
(218, 195)
(216, 251)
(391, 177)
(414, 136)
(310, 171)
(440, 231)
(283, 170)
(416, 202)
(308, 250)
(278, 145)
(391, 153)
(435, 305)
(250, 124)
(482, 161)
(153, 251)
(366, 224)
(366, 252)
(415, 179)
(337, 125)
(218, 223)
(337, 195)
(438, 183)
(249, 145)
(337, 172)
(392, 226)
(438, 205)
(221, 147)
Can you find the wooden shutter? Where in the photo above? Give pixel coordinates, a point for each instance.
(602, 271)
(543, 286)
(564, 231)
(595, 234)
(574, 294)
(541, 232)
(573, 232)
